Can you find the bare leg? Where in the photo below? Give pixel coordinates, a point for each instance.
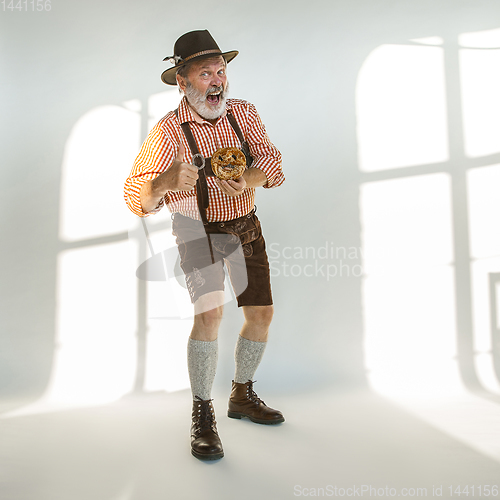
(257, 322)
(208, 311)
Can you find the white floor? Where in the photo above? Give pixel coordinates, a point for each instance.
(138, 449)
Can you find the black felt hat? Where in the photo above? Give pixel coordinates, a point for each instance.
(191, 47)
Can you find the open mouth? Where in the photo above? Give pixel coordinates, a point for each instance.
(214, 98)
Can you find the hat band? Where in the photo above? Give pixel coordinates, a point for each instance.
(203, 52)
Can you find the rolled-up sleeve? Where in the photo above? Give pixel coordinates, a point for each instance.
(265, 154)
(156, 155)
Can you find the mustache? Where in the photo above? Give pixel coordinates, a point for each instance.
(215, 89)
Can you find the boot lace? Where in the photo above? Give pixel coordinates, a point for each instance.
(252, 395)
(203, 414)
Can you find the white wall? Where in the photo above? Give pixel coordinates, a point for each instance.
(313, 73)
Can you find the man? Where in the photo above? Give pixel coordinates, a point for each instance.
(214, 221)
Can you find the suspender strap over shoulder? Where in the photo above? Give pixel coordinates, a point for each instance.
(244, 144)
(201, 183)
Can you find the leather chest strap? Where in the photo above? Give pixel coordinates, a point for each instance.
(201, 183)
(244, 144)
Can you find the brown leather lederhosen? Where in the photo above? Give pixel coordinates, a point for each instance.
(205, 164)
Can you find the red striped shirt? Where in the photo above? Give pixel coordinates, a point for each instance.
(160, 148)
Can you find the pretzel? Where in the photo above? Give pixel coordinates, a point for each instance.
(228, 163)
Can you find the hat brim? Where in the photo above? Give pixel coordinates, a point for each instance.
(169, 75)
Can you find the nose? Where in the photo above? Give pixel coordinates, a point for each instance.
(217, 81)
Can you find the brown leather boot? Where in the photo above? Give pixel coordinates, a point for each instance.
(205, 441)
(243, 402)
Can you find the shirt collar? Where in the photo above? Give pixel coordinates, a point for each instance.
(188, 114)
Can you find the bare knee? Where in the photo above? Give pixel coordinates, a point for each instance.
(209, 319)
(260, 316)
(206, 324)
(208, 311)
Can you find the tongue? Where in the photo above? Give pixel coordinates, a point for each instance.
(214, 99)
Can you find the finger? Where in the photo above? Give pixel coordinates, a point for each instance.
(228, 189)
(235, 185)
(180, 152)
(188, 186)
(190, 173)
(222, 185)
(190, 181)
(192, 168)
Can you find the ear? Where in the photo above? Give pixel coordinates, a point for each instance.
(181, 82)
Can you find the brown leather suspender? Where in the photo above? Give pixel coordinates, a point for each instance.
(201, 183)
(244, 144)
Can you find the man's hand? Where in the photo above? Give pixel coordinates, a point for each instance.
(180, 176)
(251, 178)
(232, 187)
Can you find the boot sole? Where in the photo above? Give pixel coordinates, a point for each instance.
(234, 414)
(201, 456)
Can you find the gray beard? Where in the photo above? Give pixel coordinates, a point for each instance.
(197, 101)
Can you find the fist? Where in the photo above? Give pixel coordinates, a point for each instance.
(181, 176)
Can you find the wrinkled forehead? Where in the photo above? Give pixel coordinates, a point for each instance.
(207, 63)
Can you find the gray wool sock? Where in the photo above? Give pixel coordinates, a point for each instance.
(247, 356)
(202, 364)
